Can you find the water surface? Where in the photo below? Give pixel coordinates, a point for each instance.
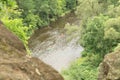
(51, 46)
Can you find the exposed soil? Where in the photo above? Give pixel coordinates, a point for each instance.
(15, 65)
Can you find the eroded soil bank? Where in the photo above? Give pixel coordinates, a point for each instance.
(15, 65)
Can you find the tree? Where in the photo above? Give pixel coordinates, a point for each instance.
(70, 4)
(45, 10)
(88, 8)
(112, 29)
(93, 37)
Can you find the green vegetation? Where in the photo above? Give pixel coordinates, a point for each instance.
(82, 69)
(22, 17)
(100, 30)
(10, 18)
(40, 13)
(72, 31)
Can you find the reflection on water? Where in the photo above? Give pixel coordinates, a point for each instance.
(50, 45)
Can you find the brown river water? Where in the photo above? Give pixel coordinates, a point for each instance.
(50, 45)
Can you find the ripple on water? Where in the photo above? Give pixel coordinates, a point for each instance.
(50, 45)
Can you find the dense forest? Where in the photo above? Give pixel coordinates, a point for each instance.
(99, 30)
(100, 34)
(24, 16)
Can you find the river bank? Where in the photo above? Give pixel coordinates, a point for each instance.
(15, 65)
(50, 43)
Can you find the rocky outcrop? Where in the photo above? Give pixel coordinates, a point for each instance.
(15, 65)
(110, 67)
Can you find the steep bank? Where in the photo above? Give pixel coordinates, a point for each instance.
(15, 65)
(110, 67)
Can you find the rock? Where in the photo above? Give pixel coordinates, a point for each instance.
(15, 65)
(109, 69)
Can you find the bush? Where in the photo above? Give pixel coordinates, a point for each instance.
(93, 37)
(117, 48)
(99, 36)
(17, 27)
(70, 4)
(82, 69)
(72, 31)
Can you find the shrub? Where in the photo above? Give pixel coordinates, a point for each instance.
(82, 70)
(17, 27)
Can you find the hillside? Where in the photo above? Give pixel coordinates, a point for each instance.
(15, 65)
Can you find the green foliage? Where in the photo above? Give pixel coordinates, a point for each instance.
(16, 26)
(88, 8)
(83, 69)
(71, 28)
(27, 5)
(22, 17)
(8, 11)
(93, 37)
(9, 3)
(70, 4)
(113, 11)
(112, 28)
(117, 48)
(10, 17)
(72, 31)
(45, 10)
(99, 36)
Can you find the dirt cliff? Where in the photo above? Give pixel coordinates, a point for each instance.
(110, 67)
(15, 65)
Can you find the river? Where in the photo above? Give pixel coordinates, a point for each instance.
(51, 46)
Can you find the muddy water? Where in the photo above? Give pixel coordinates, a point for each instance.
(50, 44)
